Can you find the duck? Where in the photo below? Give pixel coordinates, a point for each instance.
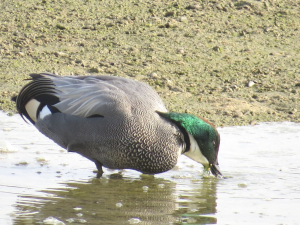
(116, 122)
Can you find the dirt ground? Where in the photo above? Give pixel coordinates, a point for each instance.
(232, 62)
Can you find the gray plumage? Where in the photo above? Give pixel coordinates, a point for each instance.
(124, 130)
(116, 122)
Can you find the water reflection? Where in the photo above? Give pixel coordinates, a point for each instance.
(262, 163)
(147, 200)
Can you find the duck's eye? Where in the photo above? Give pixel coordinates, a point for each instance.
(214, 143)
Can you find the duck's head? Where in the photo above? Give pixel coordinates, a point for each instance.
(201, 137)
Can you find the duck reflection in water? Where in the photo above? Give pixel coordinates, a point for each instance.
(118, 200)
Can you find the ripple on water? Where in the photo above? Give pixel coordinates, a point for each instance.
(55, 187)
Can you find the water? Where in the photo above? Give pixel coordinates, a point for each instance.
(40, 183)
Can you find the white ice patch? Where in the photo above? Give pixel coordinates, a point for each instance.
(44, 112)
(5, 147)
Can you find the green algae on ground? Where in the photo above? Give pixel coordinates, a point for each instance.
(204, 53)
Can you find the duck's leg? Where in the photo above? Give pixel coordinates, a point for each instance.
(99, 167)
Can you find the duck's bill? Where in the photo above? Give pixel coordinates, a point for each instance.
(215, 170)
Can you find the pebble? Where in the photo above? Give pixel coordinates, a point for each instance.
(235, 87)
(217, 49)
(196, 7)
(183, 19)
(180, 51)
(10, 113)
(62, 54)
(94, 70)
(227, 89)
(78, 61)
(41, 160)
(242, 185)
(61, 27)
(237, 113)
(153, 75)
(169, 82)
(22, 163)
(251, 83)
(170, 13)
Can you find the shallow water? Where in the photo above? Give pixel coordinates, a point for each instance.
(40, 183)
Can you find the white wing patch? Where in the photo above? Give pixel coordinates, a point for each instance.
(44, 112)
(31, 108)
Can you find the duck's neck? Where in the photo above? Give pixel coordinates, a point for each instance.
(196, 131)
(192, 124)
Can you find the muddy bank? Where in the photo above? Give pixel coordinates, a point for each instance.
(233, 62)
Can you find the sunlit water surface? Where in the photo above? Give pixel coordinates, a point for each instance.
(40, 183)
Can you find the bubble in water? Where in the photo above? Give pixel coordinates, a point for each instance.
(53, 221)
(161, 185)
(134, 220)
(119, 204)
(145, 188)
(77, 208)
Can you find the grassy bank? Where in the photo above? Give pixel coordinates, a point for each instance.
(233, 62)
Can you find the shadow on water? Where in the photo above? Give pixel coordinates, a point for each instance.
(121, 200)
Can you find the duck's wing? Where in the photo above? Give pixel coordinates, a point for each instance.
(85, 96)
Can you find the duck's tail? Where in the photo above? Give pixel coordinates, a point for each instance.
(36, 99)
